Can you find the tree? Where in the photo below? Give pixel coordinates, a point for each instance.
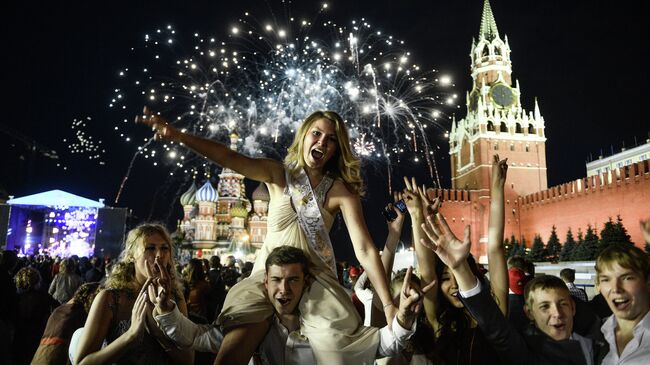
(553, 246)
(522, 248)
(537, 251)
(586, 250)
(513, 246)
(569, 245)
(613, 234)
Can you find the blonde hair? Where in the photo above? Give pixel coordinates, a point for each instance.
(628, 257)
(122, 275)
(344, 164)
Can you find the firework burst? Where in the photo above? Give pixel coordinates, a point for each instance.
(262, 79)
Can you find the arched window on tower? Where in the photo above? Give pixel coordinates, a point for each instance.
(490, 126)
(485, 52)
(531, 129)
(503, 127)
(518, 128)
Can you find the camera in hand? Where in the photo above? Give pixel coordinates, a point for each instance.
(390, 214)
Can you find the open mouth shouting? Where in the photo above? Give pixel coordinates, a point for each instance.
(621, 303)
(317, 154)
(284, 301)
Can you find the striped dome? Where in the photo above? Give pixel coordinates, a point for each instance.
(261, 193)
(206, 193)
(189, 197)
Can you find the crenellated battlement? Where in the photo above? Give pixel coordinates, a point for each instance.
(452, 195)
(615, 179)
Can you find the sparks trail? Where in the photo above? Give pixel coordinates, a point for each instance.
(128, 171)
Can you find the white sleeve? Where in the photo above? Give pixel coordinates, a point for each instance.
(364, 295)
(392, 342)
(185, 333)
(471, 292)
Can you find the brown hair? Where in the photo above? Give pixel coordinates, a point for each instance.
(543, 282)
(285, 255)
(27, 279)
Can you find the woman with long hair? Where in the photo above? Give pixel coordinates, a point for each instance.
(120, 316)
(197, 291)
(458, 340)
(320, 177)
(66, 282)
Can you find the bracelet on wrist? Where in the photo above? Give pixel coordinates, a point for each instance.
(387, 305)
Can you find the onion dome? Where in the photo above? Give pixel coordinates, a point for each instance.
(239, 211)
(189, 197)
(261, 193)
(207, 193)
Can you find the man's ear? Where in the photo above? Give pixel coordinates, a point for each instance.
(529, 312)
(266, 280)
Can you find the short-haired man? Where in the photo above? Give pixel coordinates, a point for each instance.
(286, 277)
(623, 279)
(569, 276)
(548, 304)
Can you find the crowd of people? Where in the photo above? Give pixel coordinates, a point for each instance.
(294, 306)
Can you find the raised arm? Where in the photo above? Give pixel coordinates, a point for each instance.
(265, 170)
(496, 252)
(89, 350)
(394, 234)
(416, 201)
(503, 338)
(364, 248)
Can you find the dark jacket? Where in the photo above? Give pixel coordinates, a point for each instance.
(531, 348)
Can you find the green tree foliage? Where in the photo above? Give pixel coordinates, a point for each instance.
(586, 250)
(553, 246)
(537, 251)
(569, 245)
(514, 246)
(522, 248)
(613, 234)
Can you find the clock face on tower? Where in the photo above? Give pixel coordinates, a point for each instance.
(473, 100)
(502, 95)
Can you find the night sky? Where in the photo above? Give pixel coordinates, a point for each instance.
(585, 61)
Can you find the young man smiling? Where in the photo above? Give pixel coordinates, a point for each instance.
(623, 279)
(287, 277)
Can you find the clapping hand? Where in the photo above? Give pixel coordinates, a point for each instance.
(451, 251)
(159, 287)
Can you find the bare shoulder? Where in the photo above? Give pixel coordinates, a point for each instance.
(340, 196)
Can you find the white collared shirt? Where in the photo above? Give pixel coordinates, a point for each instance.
(208, 338)
(637, 351)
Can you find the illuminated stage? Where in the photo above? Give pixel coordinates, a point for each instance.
(59, 223)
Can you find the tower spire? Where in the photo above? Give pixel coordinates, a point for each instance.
(489, 29)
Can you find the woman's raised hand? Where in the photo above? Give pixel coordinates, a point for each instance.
(161, 127)
(395, 226)
(452, 251)
(159, 286)
(139, 313)
(499, 171)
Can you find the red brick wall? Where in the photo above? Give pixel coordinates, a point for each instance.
(588, 201)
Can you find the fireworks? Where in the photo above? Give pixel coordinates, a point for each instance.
(84, 144)
(262, 80)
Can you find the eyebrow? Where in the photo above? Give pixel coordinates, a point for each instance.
(320, 130)
(288, 277)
